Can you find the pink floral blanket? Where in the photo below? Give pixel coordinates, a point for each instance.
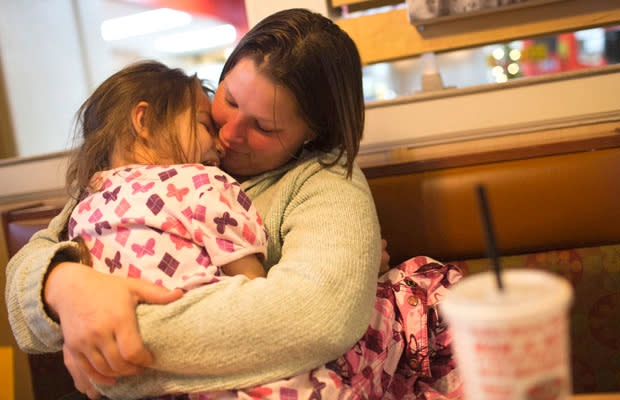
(405, 353)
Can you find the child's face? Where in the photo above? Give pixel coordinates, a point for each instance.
(207, 148)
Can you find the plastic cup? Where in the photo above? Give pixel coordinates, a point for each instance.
(511, 344)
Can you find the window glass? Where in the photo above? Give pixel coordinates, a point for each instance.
(497, 63)
(198, 43)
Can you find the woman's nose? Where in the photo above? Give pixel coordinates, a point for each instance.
(234, 131)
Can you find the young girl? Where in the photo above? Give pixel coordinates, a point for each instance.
(153, 203)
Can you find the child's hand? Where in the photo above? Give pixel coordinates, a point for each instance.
(98, 321)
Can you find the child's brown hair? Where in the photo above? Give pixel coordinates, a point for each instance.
(103, 123)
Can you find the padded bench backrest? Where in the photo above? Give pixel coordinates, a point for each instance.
(21, 223)
(50, 378)
(545, 203)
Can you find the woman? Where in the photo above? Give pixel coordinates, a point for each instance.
(290, 112)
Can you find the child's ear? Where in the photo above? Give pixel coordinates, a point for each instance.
(138, 116)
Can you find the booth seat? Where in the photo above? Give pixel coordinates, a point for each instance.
(560, 213)
(50, 379)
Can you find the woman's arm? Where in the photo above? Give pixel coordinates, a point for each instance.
(33, 329)
(313, 306)
(64, 288)
(101, 333)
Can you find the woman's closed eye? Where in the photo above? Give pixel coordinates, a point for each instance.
(231, 102)
(263, 129)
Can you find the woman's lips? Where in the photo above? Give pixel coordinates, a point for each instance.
(231, 150)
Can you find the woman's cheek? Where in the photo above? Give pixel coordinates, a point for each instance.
(261, 143)
(218, 111)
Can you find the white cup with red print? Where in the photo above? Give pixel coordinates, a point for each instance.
(511, 344)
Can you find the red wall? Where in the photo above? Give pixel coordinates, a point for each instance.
(231, 11)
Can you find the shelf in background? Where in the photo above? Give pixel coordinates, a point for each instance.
(390, 36)
(424, 23)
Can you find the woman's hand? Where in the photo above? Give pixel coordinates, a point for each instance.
(80, 378)
(385, 258)
(98, 321)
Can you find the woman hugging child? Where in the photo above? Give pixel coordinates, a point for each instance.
(154, 205)
(315, 323)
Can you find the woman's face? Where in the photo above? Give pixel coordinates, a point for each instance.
(260, 127)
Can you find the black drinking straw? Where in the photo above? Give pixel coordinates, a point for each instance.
(487, 226)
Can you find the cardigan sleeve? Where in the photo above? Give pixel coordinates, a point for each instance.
(34, 330)
(313, 306)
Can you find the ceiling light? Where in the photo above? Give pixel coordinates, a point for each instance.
(142, 23)
(201, 39)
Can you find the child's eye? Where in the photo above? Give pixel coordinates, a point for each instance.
(209, 127)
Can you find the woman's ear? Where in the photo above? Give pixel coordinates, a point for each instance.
(138, 115)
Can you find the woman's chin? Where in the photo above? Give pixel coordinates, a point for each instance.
(235, 168)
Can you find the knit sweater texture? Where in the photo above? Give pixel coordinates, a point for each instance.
(324, 252)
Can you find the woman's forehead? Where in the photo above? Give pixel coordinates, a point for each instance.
(256, 94)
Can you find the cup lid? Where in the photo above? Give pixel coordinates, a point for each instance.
(526, 293)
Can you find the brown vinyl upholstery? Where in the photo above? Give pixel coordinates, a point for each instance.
(538, 204)
(558, 213)
(50, 378)
(21, 223)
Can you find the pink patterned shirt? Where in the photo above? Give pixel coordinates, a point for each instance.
(173, 225)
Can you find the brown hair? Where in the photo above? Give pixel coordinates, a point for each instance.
(311, 56)
(103, 123)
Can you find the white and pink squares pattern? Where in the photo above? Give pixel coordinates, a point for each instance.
(174, 225)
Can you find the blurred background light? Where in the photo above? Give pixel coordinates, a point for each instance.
(201, 39)
(513, 68)
(142, 23)
(497, 70)
(515, 54)
(498, 53)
